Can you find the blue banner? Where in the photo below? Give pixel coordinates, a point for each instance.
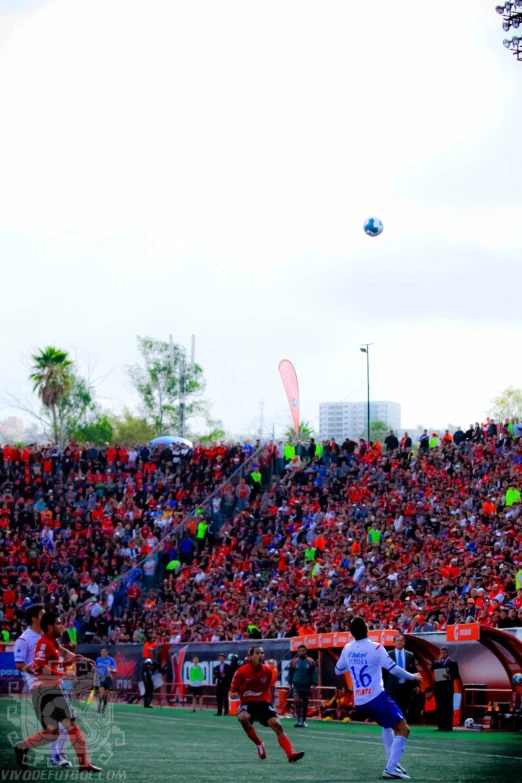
(8, 670)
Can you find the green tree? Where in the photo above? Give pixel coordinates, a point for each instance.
(158, 384)
(67, 400)
(378, 431)
(130, 430)
(52, 381)
(215, 433)
(508, 405)
(306, 431)
(77, 408)
(213, 436)
(98, 431)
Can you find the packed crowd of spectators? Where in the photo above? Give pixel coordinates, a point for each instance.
(179, 544)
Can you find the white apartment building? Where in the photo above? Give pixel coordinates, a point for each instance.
(12, 430)
(342, 420)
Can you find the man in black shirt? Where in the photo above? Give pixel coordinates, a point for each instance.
(222, 677)
(391, 442)
(147, 675)
(492, 429)
(458, 436)
(444, 689)
(478, 433)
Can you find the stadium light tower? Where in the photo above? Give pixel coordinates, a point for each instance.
(365, 348)
(183, 377)
(511, 13)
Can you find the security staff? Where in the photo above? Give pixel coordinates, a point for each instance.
(147, 682)
(444, 689)
(222, 674)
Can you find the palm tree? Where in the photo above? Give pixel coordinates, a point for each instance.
(306, 431)
(52, 381)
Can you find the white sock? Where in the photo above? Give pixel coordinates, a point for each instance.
(58, 746)
(62, 739)
(387, 739)
(397, 749)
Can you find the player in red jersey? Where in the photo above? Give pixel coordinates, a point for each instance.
(51, 703)
(252, 683)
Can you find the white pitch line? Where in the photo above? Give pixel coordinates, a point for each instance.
(345, 739)
(424, 747)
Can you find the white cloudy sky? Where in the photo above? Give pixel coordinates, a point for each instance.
(205, 167)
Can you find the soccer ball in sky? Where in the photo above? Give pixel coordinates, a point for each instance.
(373, 227)
(469, 723)
(517, 679)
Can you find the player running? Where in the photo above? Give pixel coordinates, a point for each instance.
(105, 666)
(51, 703)
(252, 683)
(365, 660)
(24, 660)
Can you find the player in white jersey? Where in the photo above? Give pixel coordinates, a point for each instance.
(365, 660)
(24, 660)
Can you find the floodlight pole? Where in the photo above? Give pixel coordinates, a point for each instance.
(365, 348)
(182, 377)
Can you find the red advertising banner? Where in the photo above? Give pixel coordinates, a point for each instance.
(323, 641)
(326, 640)
(341, 638)
(291, 386)
(311, 641)
(383, 637)
(468, 632)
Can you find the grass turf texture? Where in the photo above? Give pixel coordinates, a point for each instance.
(157, 744)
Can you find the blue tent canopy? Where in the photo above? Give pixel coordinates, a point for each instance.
(168, 440)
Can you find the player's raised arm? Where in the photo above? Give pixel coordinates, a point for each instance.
(342, 664)
(44, 664)
(67, 654)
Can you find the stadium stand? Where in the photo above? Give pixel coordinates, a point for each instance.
(237, 541)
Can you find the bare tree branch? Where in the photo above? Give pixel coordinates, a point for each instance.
(12, 400)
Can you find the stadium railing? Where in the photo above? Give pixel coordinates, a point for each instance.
(175, 529)
(177, 694)
(482, 703)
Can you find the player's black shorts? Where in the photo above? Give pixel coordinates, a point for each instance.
(106, 682)
(259, 711)
(52, 706)
(303, 693)
(196, 690)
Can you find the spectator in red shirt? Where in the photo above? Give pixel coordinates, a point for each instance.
(133, 596)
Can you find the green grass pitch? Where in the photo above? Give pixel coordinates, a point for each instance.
(161, 744)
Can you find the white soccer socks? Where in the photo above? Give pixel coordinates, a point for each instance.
(57, 747)
(397, 749)
(387, 739)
